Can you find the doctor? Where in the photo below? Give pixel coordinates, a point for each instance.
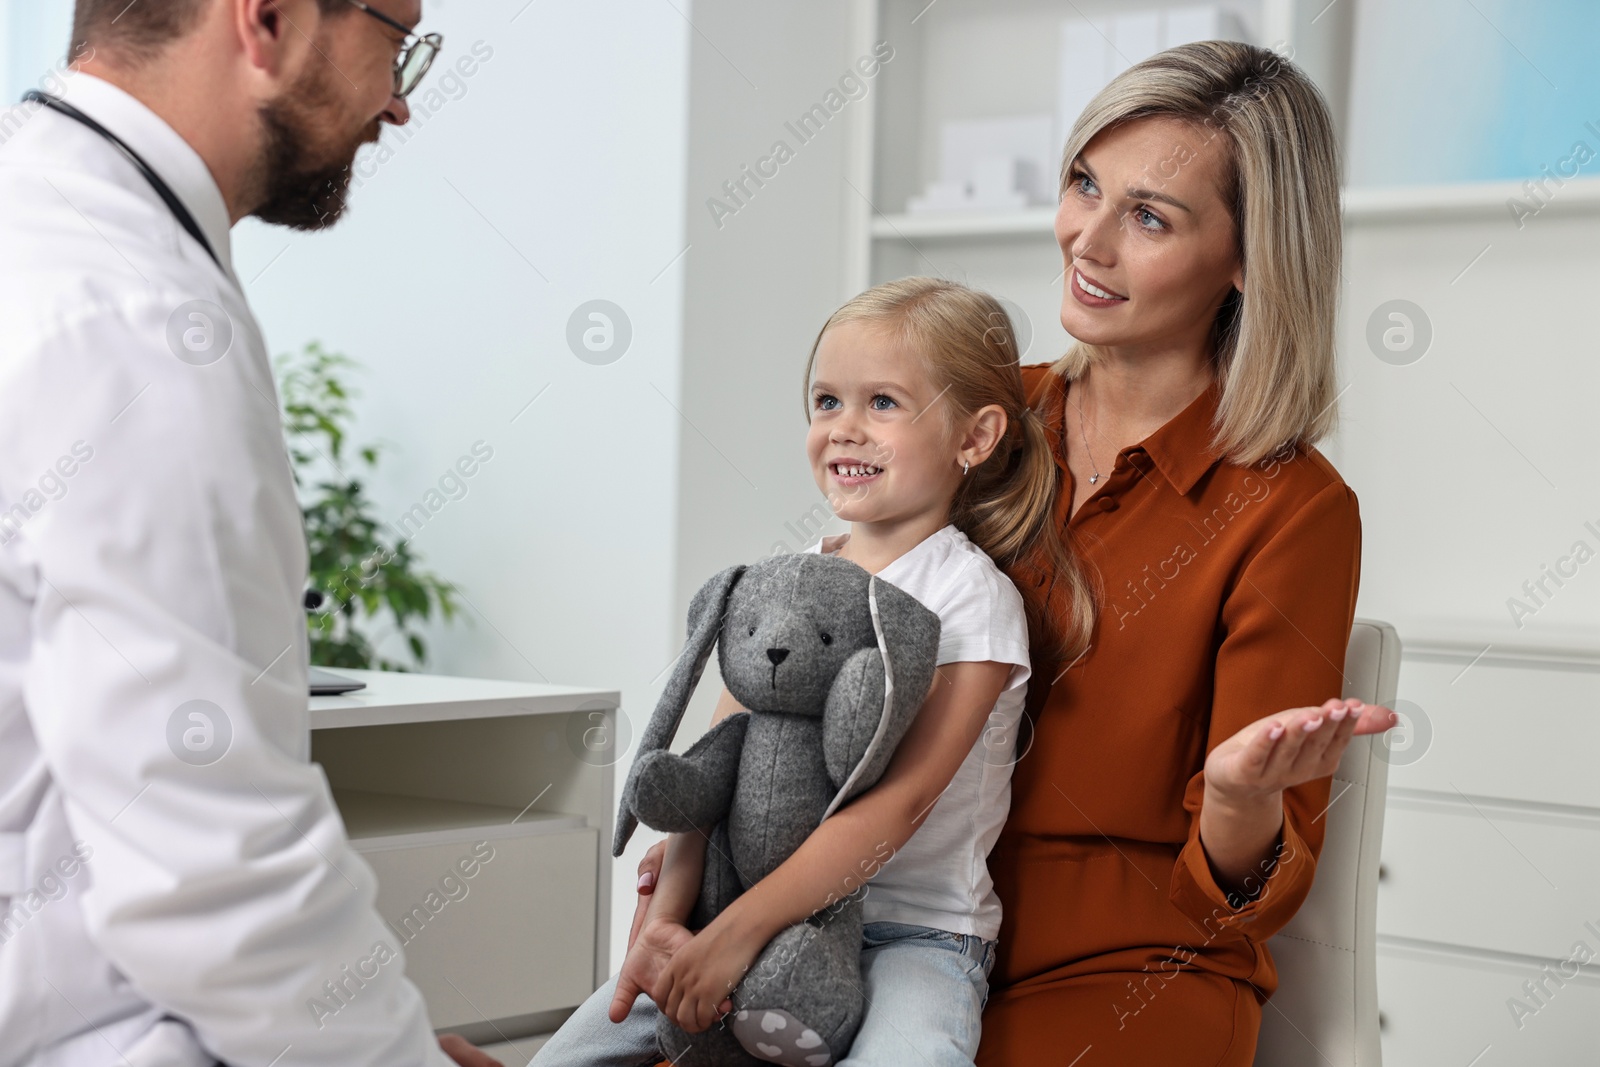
(175, 884)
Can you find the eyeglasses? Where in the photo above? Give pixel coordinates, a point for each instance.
(416, 55)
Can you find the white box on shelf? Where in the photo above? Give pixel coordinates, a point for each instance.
(1022, 137)
(998, 164)
(939, 197)
(1134, 37)
(1085, 69)
(1206, 22)
(1000, 181)
(1095, 50)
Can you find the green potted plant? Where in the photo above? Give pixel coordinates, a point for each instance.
(362, 575)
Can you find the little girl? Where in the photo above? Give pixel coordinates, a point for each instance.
(921, 438)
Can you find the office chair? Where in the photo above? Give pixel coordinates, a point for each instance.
(1325, 1011)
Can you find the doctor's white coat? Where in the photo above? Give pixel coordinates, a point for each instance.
(175, 883)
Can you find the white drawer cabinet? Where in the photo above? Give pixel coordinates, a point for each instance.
(485, 810)
(1491, 863)
(1489, 877)
(1522, 730)
(517, 937)
(1441, 1010)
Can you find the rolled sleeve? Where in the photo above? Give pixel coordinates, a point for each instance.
(1286, 625)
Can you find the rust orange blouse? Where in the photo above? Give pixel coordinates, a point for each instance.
(1227, 594)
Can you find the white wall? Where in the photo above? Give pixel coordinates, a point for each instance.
(1475, 464)
(561, 155)
(34, 35)
(1474, 461)
(759, 283)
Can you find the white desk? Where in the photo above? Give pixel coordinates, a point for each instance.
(433, 774)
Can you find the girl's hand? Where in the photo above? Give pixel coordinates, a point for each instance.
(694, 990)
(1288, 749)
(647, 958)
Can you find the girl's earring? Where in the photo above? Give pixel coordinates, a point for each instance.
(964, 465)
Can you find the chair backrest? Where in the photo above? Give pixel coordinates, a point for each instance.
(1325, 1011)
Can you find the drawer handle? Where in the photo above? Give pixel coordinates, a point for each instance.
(1383, 872)
(1383, 1021)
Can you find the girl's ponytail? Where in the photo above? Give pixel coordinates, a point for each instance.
(1013, 520)
(1071, 577)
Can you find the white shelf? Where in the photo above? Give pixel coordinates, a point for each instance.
(1038, 220)
(386, 820)
(1413, 203)
(396, 697)
(1467, 200)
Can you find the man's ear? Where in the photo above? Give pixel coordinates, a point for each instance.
(275, 35)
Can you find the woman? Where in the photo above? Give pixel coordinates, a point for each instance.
(1164, 821)
(1166, 812)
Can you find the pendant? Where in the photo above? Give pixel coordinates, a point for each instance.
(1093, 478)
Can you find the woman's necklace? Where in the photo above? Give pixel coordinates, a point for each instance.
(1096, 476)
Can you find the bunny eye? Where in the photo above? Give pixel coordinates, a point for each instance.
(752, 631)
(827, 638)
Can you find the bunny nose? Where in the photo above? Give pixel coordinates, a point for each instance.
(777, 655)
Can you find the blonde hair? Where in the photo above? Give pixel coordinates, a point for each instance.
(1273, 344)
(1007, 505)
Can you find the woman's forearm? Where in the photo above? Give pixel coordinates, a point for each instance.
(682, 870)
(1240, 837)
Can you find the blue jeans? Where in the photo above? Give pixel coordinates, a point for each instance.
(925, 994)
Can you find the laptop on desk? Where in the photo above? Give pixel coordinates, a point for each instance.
(327, 684)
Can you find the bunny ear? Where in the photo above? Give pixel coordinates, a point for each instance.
(908, 645)
(706, 613)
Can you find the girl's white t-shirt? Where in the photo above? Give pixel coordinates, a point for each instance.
(940, 877)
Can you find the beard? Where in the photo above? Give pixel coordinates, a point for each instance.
(304, 181)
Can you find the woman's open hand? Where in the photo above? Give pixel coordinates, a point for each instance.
(1289, 749)
(1241, 815)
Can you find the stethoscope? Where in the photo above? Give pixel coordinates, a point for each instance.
(163, 190)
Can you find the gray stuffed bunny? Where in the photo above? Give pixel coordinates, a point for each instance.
(832, 664)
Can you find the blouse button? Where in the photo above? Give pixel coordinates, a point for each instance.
(1108, 504)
